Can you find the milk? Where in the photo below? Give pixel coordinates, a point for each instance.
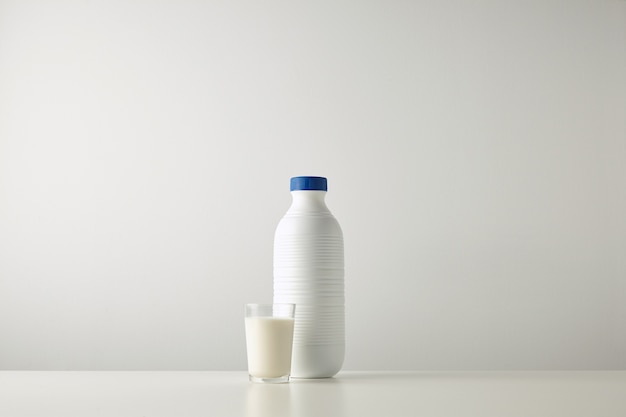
(269, 344)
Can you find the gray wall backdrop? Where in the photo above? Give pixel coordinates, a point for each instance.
(475, 150)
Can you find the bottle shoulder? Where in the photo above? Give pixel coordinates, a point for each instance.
(309, 224)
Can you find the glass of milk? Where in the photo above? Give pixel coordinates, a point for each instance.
(269, 340)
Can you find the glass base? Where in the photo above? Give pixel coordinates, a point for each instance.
(279, 380)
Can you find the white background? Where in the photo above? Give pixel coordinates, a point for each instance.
(475, 150)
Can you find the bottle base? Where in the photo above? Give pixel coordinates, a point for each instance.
(316, 361)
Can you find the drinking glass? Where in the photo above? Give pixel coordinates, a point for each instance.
(269, 341)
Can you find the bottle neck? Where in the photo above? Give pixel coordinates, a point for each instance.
(309, 200)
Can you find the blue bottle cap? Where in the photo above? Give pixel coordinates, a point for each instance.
(309, 183)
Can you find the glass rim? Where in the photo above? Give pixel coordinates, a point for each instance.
(270, 310)
(269, 304)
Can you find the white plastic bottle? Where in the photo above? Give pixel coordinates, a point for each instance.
(309, 272)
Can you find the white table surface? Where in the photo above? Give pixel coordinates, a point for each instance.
(207, 394)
